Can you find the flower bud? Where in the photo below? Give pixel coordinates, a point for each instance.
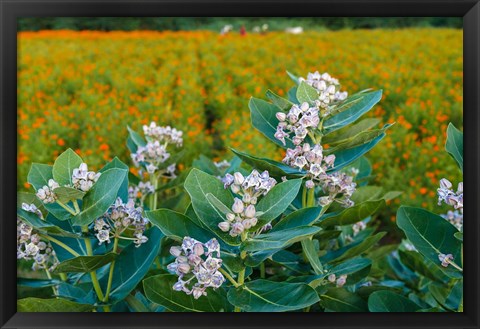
(238, 206)
(224, 226)
(235, 188)
(250, 211)
(230, 217)
(445, 183)
(332, 277)
(237, 229)
(183, 268)
(175, 251)
(324, 200)
(254, 221)
(253, 200)
(198, 249)
(238, 178)
(304, 107)
(309, 184)
(247, 198)
(281, 116)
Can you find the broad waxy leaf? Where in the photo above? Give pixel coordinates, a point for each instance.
(136, 138)
(198, 184)
(256, 258)
(291, 261)
(282, 103)
(101, 196)
(43, 226)
(341, 300)
(306, 93)
(388, 301)
(449, 299)
(32, 304)
(64, 165)
(275, 169)
(177, 226)
(295, 78)
(85, 264)
(301, 217)
(39, 175)
(312, 255)
(292, 95)
(357, 140)
(350, 131)
(350, 266)
(277, 200)
(159, 289)
(278, 239)
(132, 264)
(352, 250)
(363, 104)
(117, 163)
(431, 235)
(212, 199)
(353, 214)
(66, 194)
(36, 283)
(454, 144)
(345, 157)
(269, 296)
(415, 262)
(264, 119)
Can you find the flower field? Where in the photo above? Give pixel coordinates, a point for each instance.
(82, 89)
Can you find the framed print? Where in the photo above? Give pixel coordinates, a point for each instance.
(232, 160)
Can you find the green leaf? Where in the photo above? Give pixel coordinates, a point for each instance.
(64, 165)
(36, 283)
(292, 95)
(363, 103)
(312, 255)
(66, 194)
(275, 169)
(159, 289)
(177, 226)
(39, 175)
(355, 249)
(291, 261)
(306, 93)
(350, 267)
(277, 200)
(388, 301)
(136, 138)
(132, 264)
(278, 239)
(32, 304)
(212, 199)
(357, 140)
(345, 157)
(301, 217)
(353, 214)
(341, 300)
(256, 258)
(431, 235)
(118, 164)
(295, 78)
(85, 264)
(459, 236)
(415, 262)
(41, 225)
(268, 296)
(450, 298)
(198, 184)
(101, 196)
(350, 131)
(454, 144)
(264, 119)
(282, 103)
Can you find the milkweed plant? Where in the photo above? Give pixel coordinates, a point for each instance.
(247, 235)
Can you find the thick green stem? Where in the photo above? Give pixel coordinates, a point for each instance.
(49, 276)
(241, 275)
(262, 270)
(229, 277)
(153, 196)
(110, 274)
(61, 244)
(93, 274)
(67, 208)
(77, 208)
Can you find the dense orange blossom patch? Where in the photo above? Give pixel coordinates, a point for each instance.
(81, 90)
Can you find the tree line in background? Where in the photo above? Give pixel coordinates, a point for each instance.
(216, 23)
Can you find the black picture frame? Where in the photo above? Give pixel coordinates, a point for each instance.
(10, 10)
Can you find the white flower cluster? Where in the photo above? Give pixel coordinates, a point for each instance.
(82, 179)
(244, 216)
(151, 155)
(340, 281)
(336, 184)
(298, 120)
(455, 199)
(46, 194)
(447, 195)
(196, 273)
(328, 88)
(32, 208)
(119, 218)
(163, 134)
(30, 246)
(140, 191)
